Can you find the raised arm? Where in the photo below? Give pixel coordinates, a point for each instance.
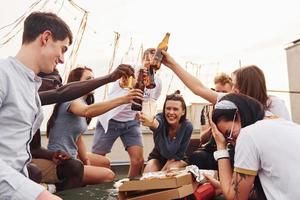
(193, 83)
(80, 109)
(77, 89)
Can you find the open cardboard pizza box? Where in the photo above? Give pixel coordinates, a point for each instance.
(157, 183)
(165, 194)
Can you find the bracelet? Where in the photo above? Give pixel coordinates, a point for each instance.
(220, 154)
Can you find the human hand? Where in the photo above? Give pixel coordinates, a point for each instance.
(145, 119)
(167, 167)
(167, 59)
(133, 94)
(215, 183)
(219, 137)
(122, 70)
(46, 195)
(59, 155)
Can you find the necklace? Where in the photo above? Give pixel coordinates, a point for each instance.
(172, 135)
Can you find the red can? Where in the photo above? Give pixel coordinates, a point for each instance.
(205, 192)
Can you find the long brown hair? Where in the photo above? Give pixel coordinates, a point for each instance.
(250, 80)
(75, 75)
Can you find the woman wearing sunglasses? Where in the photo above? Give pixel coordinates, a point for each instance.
(260, 150)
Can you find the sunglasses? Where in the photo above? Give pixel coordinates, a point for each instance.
(229, 136)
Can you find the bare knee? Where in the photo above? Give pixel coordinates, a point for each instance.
(110, 176)
(106, 163)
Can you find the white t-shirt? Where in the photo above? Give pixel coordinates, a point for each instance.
(127, 114)
(270, 148)
(276, 106)
(123, 112)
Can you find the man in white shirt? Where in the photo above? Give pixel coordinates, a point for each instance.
(121, 122)
(46, 38)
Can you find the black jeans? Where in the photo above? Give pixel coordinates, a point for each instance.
(204, 156)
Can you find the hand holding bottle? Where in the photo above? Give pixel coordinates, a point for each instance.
(168, 60)
(123, 70)
(137, 103)
(133, 95)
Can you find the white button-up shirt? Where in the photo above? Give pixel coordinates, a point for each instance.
(20, 116)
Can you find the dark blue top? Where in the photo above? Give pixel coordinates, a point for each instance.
(171, 148)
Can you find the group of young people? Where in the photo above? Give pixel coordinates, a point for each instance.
(65, 162)
(257, 125)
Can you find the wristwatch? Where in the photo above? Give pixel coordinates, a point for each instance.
(221, 154)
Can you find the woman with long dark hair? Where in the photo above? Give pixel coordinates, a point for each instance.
(171, 135)
(265, 148)
(70, 119)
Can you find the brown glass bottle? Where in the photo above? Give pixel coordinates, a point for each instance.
(163, 45)
(151, 82)
(137, 104)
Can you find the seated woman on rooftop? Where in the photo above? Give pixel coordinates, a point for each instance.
(171, 134)
(70, 119)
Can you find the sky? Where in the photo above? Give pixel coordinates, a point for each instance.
(207, 37)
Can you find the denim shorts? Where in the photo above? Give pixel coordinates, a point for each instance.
(129, 132)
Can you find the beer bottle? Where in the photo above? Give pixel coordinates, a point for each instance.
(137, 104)
(163, 45)
(151, 82)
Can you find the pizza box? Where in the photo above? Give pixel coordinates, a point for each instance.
(165, 194)
(156, 183)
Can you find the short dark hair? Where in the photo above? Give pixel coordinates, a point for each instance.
(38, 22)
(250, 110)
